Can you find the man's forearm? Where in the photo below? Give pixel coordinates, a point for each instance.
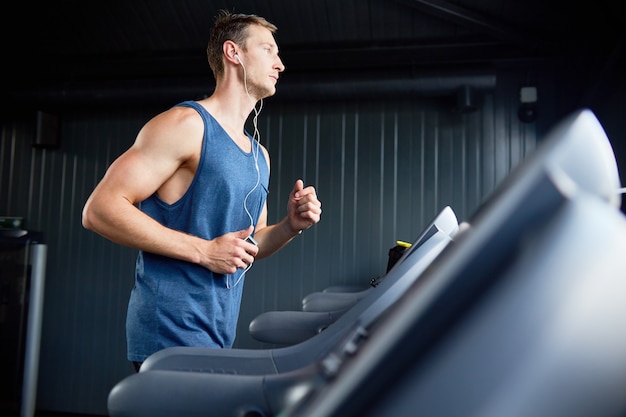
(274, 237)
(128, 226)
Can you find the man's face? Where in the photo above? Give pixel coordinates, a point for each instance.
(261, 62)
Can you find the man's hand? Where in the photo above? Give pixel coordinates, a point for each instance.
(303, 208)
(230, 252)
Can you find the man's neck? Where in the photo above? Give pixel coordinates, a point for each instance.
(230, 106)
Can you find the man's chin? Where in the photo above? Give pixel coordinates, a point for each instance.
(270, 92)
(265, 92)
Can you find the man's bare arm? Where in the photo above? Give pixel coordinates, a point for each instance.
(159, 161)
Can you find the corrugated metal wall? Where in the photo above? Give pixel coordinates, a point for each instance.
(382, 169)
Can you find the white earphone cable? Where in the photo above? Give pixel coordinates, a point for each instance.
(256, 140)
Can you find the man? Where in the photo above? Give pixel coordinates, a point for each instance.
(190, 191)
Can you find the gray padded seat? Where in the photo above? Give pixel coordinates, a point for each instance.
(333, 300)
(340, 297)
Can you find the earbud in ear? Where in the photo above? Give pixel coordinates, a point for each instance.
(237, 56)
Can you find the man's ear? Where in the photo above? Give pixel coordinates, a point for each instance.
(229, 48)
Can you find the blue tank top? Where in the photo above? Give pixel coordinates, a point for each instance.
(176, 303)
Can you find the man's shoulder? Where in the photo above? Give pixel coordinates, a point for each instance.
(177, 128)
(180, 117)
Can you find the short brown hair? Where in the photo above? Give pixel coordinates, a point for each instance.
(230, 27)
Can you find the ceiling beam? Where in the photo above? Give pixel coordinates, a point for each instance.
(472, 21)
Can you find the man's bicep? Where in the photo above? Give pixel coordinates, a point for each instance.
(136, 175)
